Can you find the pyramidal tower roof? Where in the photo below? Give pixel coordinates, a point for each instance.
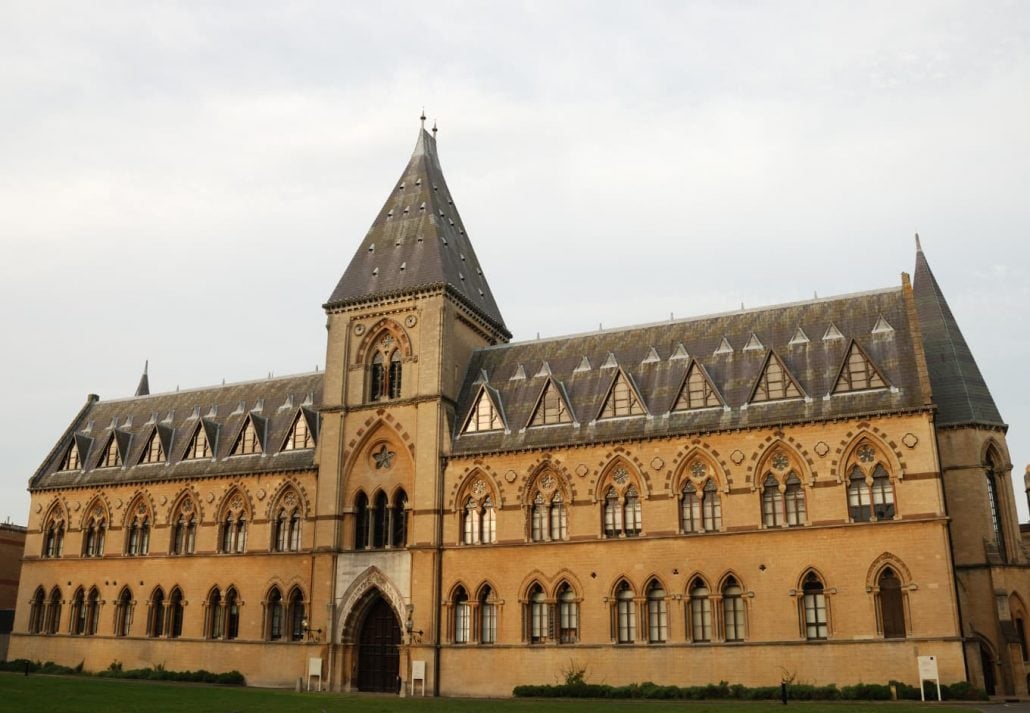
(418, 241)
(959, 389)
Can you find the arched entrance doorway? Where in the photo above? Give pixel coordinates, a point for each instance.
(379, 649)
(987, 662)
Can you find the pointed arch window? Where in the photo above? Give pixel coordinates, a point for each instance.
(462, 617)
(94, 534)
(137, 539)
(621, 514)
(399, 520)
(123, 613)
(891, 604)
(276, 615)
(775, 383)
(175, 613)
(870, 490)
(52, 620)
(79, 613)
(857, 373)
(733, 610)
(690, 509)
(858, 496)
(478, 517)
(783, 503)
(711, 507)
(814, 608)
(539, 616)
(300, 436)
(184, 528)
(550, 407)
(385, 369)
(286, 519)
(568, 615)
(53, 540)
(657, 614)
(154, 451)
(992, 471)
(247, 442)
(621, 400)
(198, 447)
(548, 514)
(233, 528)
(296, 615)
(232, 614)
(37, 610)
(697, 391)
(156, 618)
(215, 615)
(360, 525)
(700, 612)
(625, 614)
(487, 616)
(483, 416)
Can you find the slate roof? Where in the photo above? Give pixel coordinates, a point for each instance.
(814, 363)
(222, 411)
(959, 389)
(418, 241)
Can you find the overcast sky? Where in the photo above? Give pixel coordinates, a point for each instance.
(186, 182)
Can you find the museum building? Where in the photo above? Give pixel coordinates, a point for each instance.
(818, 489)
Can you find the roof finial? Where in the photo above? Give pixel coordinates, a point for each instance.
(919, 247)
(422, 118)
(434, 128)
(143, 389)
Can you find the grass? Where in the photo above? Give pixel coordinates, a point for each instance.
(57, 694)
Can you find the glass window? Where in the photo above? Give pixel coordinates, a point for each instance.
(815, 608)
(882, 494)
(733, 610)
(625, 615)
(772, 503)
(462, 618)
(487, 617)
(633, 520)
(858, 496)
(712, 507)
(690, 509)
(539, 628)
(568, 616)
(892, 611)
(275, 615)
(700, 612)
(657, 616)
(794, 500)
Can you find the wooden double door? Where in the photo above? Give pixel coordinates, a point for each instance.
(379, 650)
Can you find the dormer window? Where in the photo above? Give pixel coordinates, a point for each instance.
(154, 451)
(199, 446)
(112, 456)
(247, 442)
(300, 436)
(71, 458)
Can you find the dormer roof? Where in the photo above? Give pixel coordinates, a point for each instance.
(418, 242)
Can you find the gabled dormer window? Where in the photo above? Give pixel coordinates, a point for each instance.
(775, 383)
(154, 451)
(550, 407)
(621, 400)
(198, 446)
(300, 436)
(857, 373)
(247, 442)
(71, 457)
(484, 416)
(111, 455)
(697, 390)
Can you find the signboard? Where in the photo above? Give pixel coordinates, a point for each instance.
(928, 672)
(418, 673)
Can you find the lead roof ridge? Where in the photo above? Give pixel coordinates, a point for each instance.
(697, 318)
(226, 385)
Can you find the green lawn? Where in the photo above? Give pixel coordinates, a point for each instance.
(55, 694)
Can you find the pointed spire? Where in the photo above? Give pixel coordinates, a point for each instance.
(919, 247)
(958, 387)
(419, 228)
(144, 381)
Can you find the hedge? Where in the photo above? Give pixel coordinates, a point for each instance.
(158, 673)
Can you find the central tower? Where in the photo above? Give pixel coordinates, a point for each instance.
(403, 321)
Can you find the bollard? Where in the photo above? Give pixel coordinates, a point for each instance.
(300, 684)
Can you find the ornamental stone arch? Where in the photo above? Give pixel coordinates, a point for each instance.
(235, 500)
(57, 510)
(398, 339)
(727, 576)
(697, 463)
(885, 560)
(381, 427)
(607, 463)
(179, 501)
(548, 461)
(281, 491)
(546, 478)
(695, 576)
(847, 453)
(132, 510)
(809, 570)
(613, 590)
(534, 577)
(483, 585)
(1001, 460)
(477, 483)
(359, 596)
(882, 440)
(622, 473)
(780, 454)
(99, 500)
(566, 576)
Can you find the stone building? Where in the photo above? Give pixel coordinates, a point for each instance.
(820, 489)
(12, 545)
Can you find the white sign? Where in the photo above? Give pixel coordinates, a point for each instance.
(928, 672)
(418, 673)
